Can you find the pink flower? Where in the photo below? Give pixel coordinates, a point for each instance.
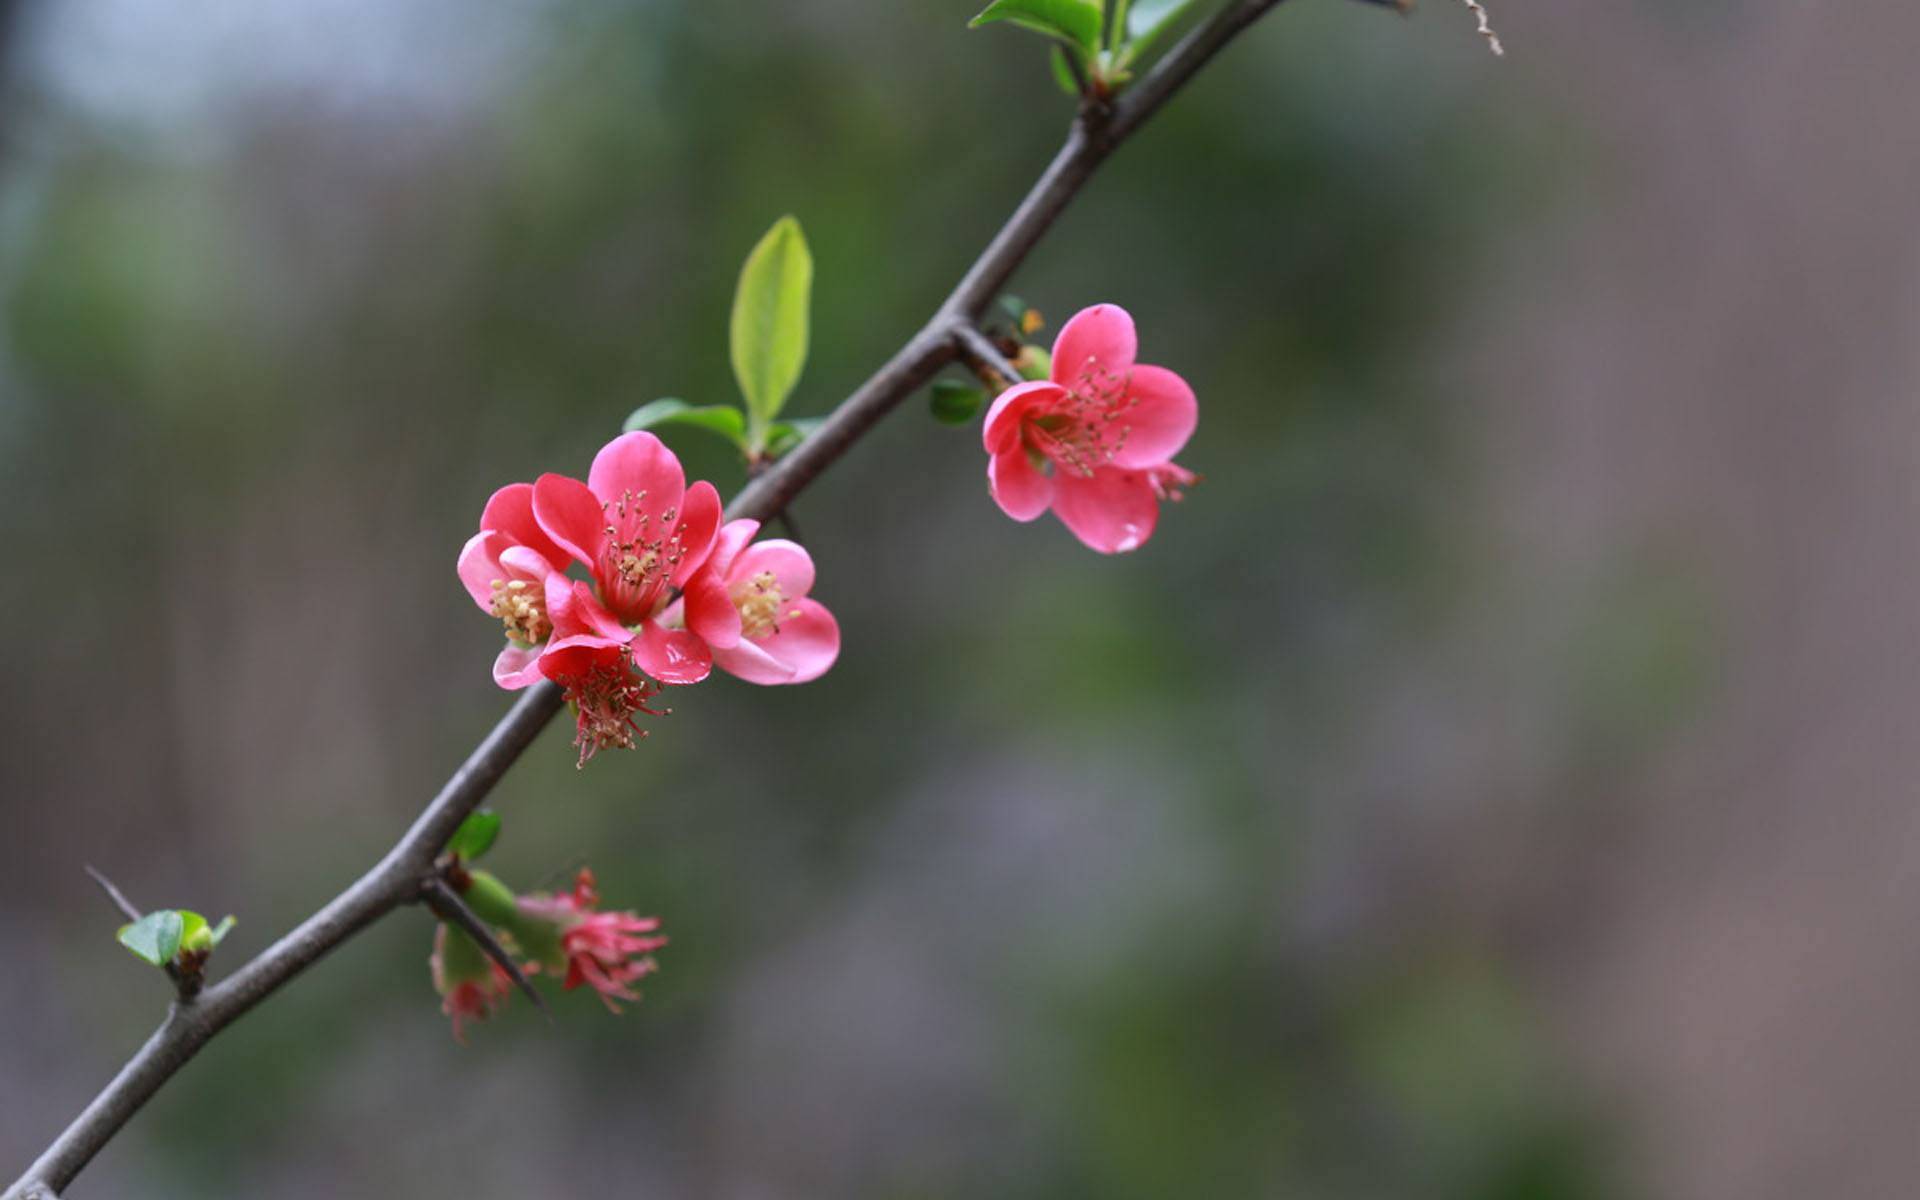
(505, 568)
(597, 677)
(470, 984)
(750, 604)
(609, 951)
(641, 532)
(1094, 441)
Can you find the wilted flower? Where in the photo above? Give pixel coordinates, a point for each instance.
(470, 984)
(608, 951)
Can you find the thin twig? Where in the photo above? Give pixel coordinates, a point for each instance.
(395, 878)
(983, 356)
(448, 906)
(114, 894)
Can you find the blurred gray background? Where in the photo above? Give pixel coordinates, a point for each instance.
(1494, 782)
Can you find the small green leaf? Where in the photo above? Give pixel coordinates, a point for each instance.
(954, 403)
(1062, 73)
(783, 436)
(1075, 21)
(219, 932)
(155, 937)
(768, 332)
(1151, 18)
(475, 835)
(1035, 362)
(193, 931)
(723, 420)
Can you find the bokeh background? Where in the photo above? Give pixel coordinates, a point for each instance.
(1494, 783)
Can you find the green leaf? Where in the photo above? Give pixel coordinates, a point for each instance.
(954, 403)
(193, 931)
(768, 333)
(1062, 73)
(1151, 18)
(1075, 21)
(723, 420)
(783, 436)
(475, 835)
(219, 932)
(156, 936)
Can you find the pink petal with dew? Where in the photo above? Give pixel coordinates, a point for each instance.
(709, 610)
(1160, 418)
(1021, 490)
(479, 566)
(808, 641)
(1113, 511)
(791, 565)
(734, 537)
(517, 666)
(510, 511)
(1001, 430)
(699, 523)
(676, 656)
(638, 463)
(751, 662)
(570, 514)
(1101, 336)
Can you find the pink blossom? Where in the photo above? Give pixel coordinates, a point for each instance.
(1094, 442)
(641, 532)
(471, 985)
(505, 567)
(608, 951)
(597, 677)
(750, 604)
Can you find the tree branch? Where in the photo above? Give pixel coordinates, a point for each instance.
(396, 878)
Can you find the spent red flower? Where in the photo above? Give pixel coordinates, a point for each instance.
(598, 680)
(471, 985)
(607, 951)
(1095, 441)
(505, 568)
(750, 604)
(641, 532)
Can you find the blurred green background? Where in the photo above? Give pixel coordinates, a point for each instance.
(1489, 784)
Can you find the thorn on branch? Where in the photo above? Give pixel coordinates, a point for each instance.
(988, 361)
(449, 907)
(186, 968)
(114, 894)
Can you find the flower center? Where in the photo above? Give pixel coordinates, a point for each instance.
(522, 608)
(1084, 431)
(606, 703)
(759, 600)
(641, 555)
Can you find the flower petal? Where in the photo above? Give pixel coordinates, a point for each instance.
(575, 610)
(790, 563)
(524, 562)
(1099, 337)
(571, 657)
(1159, 419)
(510, 511)
(671, 655)
(570, 515)
(808, 641)
(1021, 490)
(734, 537)
(479, 566)
(709, 610)
(638, 463)
(1001, 430)
(699, 523)
(749, 661)
(517, 666)
(1113, 511)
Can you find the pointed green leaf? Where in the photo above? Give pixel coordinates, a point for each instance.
(954, 403)
(1075, 21)
(722, 419)
(783, 436)
(475, 835)
(155, 937)
(219, 932)
(1148, 19)
(1062, 73)
(768, 334)
(193, 931)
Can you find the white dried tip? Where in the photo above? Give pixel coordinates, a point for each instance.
(1486, 27)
